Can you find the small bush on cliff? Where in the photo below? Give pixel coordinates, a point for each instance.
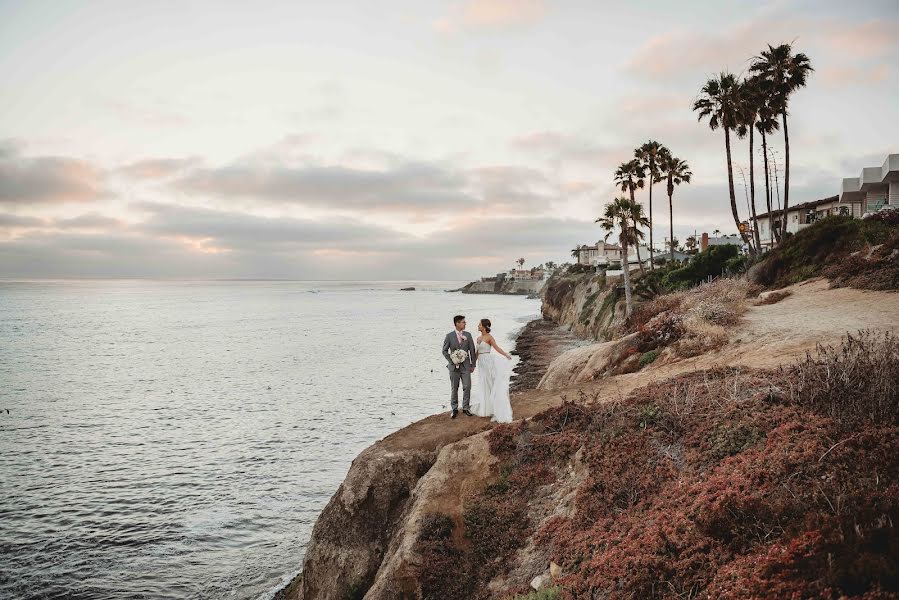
(705, 265)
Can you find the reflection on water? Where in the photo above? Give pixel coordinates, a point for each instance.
(178, 440)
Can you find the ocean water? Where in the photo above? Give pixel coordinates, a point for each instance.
(178, 439)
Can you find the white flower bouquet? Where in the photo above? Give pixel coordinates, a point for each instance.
(458, 357)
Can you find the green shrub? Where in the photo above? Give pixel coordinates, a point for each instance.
(705, 265)
(547, 593)
(649, 357)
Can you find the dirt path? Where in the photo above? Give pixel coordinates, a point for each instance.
(767, 337)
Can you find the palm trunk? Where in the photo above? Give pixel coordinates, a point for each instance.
(671, 219)
(786, 174)
(651, 181)
(768, 191)
(755, 223)
(626, 271)
(639, 260)
(730, 185)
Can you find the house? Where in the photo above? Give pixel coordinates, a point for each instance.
(526, 274)
(598, 254)
(802, 215)
(876, 188)
(727, 240)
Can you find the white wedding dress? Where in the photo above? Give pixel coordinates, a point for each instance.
(490, 396)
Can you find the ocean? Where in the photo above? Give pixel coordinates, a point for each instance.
(179, 439)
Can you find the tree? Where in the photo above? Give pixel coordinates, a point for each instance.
(785, 73)
(716, 233)
(520, 262)
(767, 124)
(576, 254)
(626, 216)
(629, 177)
(550, 265)
(691, 243)
(676, 171)
(719, 101)
(750, 105)
(650, 155)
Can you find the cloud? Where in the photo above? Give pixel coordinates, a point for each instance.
(869, 38)
(690, 54)
(847, 76)
(158, 168)
(491, 14)
(47, 179)
(558, 148)
(411, 187)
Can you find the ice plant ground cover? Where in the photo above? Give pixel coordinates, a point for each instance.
(727, 483)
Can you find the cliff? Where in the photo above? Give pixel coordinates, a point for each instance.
(589, 304)
(504, 286)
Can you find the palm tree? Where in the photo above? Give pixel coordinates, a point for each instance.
(719, 101)
(576, 254)
(651, 155)
(716, 233)
(750, 106)
(786, 72)
(629, 177)
(676, 171)
(626, 216)
(520, 262)
(766, 125)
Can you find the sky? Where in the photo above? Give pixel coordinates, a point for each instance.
(403, 139)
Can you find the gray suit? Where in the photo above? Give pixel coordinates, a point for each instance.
(463, 372)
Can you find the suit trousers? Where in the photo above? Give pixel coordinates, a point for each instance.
(463, 375)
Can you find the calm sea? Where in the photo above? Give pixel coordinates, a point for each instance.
(178, 440)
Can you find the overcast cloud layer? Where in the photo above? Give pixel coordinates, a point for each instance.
(358, 140)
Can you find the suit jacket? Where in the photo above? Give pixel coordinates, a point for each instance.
(451, 342)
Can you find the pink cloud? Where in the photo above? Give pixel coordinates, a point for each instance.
(491, 14)
(840, 76)
(871, 38)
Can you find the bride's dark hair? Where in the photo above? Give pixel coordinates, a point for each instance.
(486, 324)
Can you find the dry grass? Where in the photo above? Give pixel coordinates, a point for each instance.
(857, 381)
(700, 315)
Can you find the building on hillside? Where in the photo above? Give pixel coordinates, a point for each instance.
(534, 274)
(802, 215)
(599, 253)
(875, 189)
(725, 240)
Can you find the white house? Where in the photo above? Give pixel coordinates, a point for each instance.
(599, 253)
(875, 188)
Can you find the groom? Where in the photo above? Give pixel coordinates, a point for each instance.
(455, 340)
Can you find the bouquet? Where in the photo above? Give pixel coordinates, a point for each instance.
(458, 357)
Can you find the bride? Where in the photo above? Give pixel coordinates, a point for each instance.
(491, 396)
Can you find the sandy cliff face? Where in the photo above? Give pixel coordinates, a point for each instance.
(588, 304)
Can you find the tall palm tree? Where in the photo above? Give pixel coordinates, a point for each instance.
(676, 171)
(630, 176)
(719, 101)
(786, 72)
(750, 106)
(627, 217)
(766, 125)
(650, 155)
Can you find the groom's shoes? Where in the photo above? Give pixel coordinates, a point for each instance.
(467, 412)
(455, 414)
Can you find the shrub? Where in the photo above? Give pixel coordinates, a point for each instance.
(649, 357)
(888, 216)
(855, 382)
(547, 593)
(711, 263)
(578, 268)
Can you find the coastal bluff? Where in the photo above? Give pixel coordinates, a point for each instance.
(511, 287)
